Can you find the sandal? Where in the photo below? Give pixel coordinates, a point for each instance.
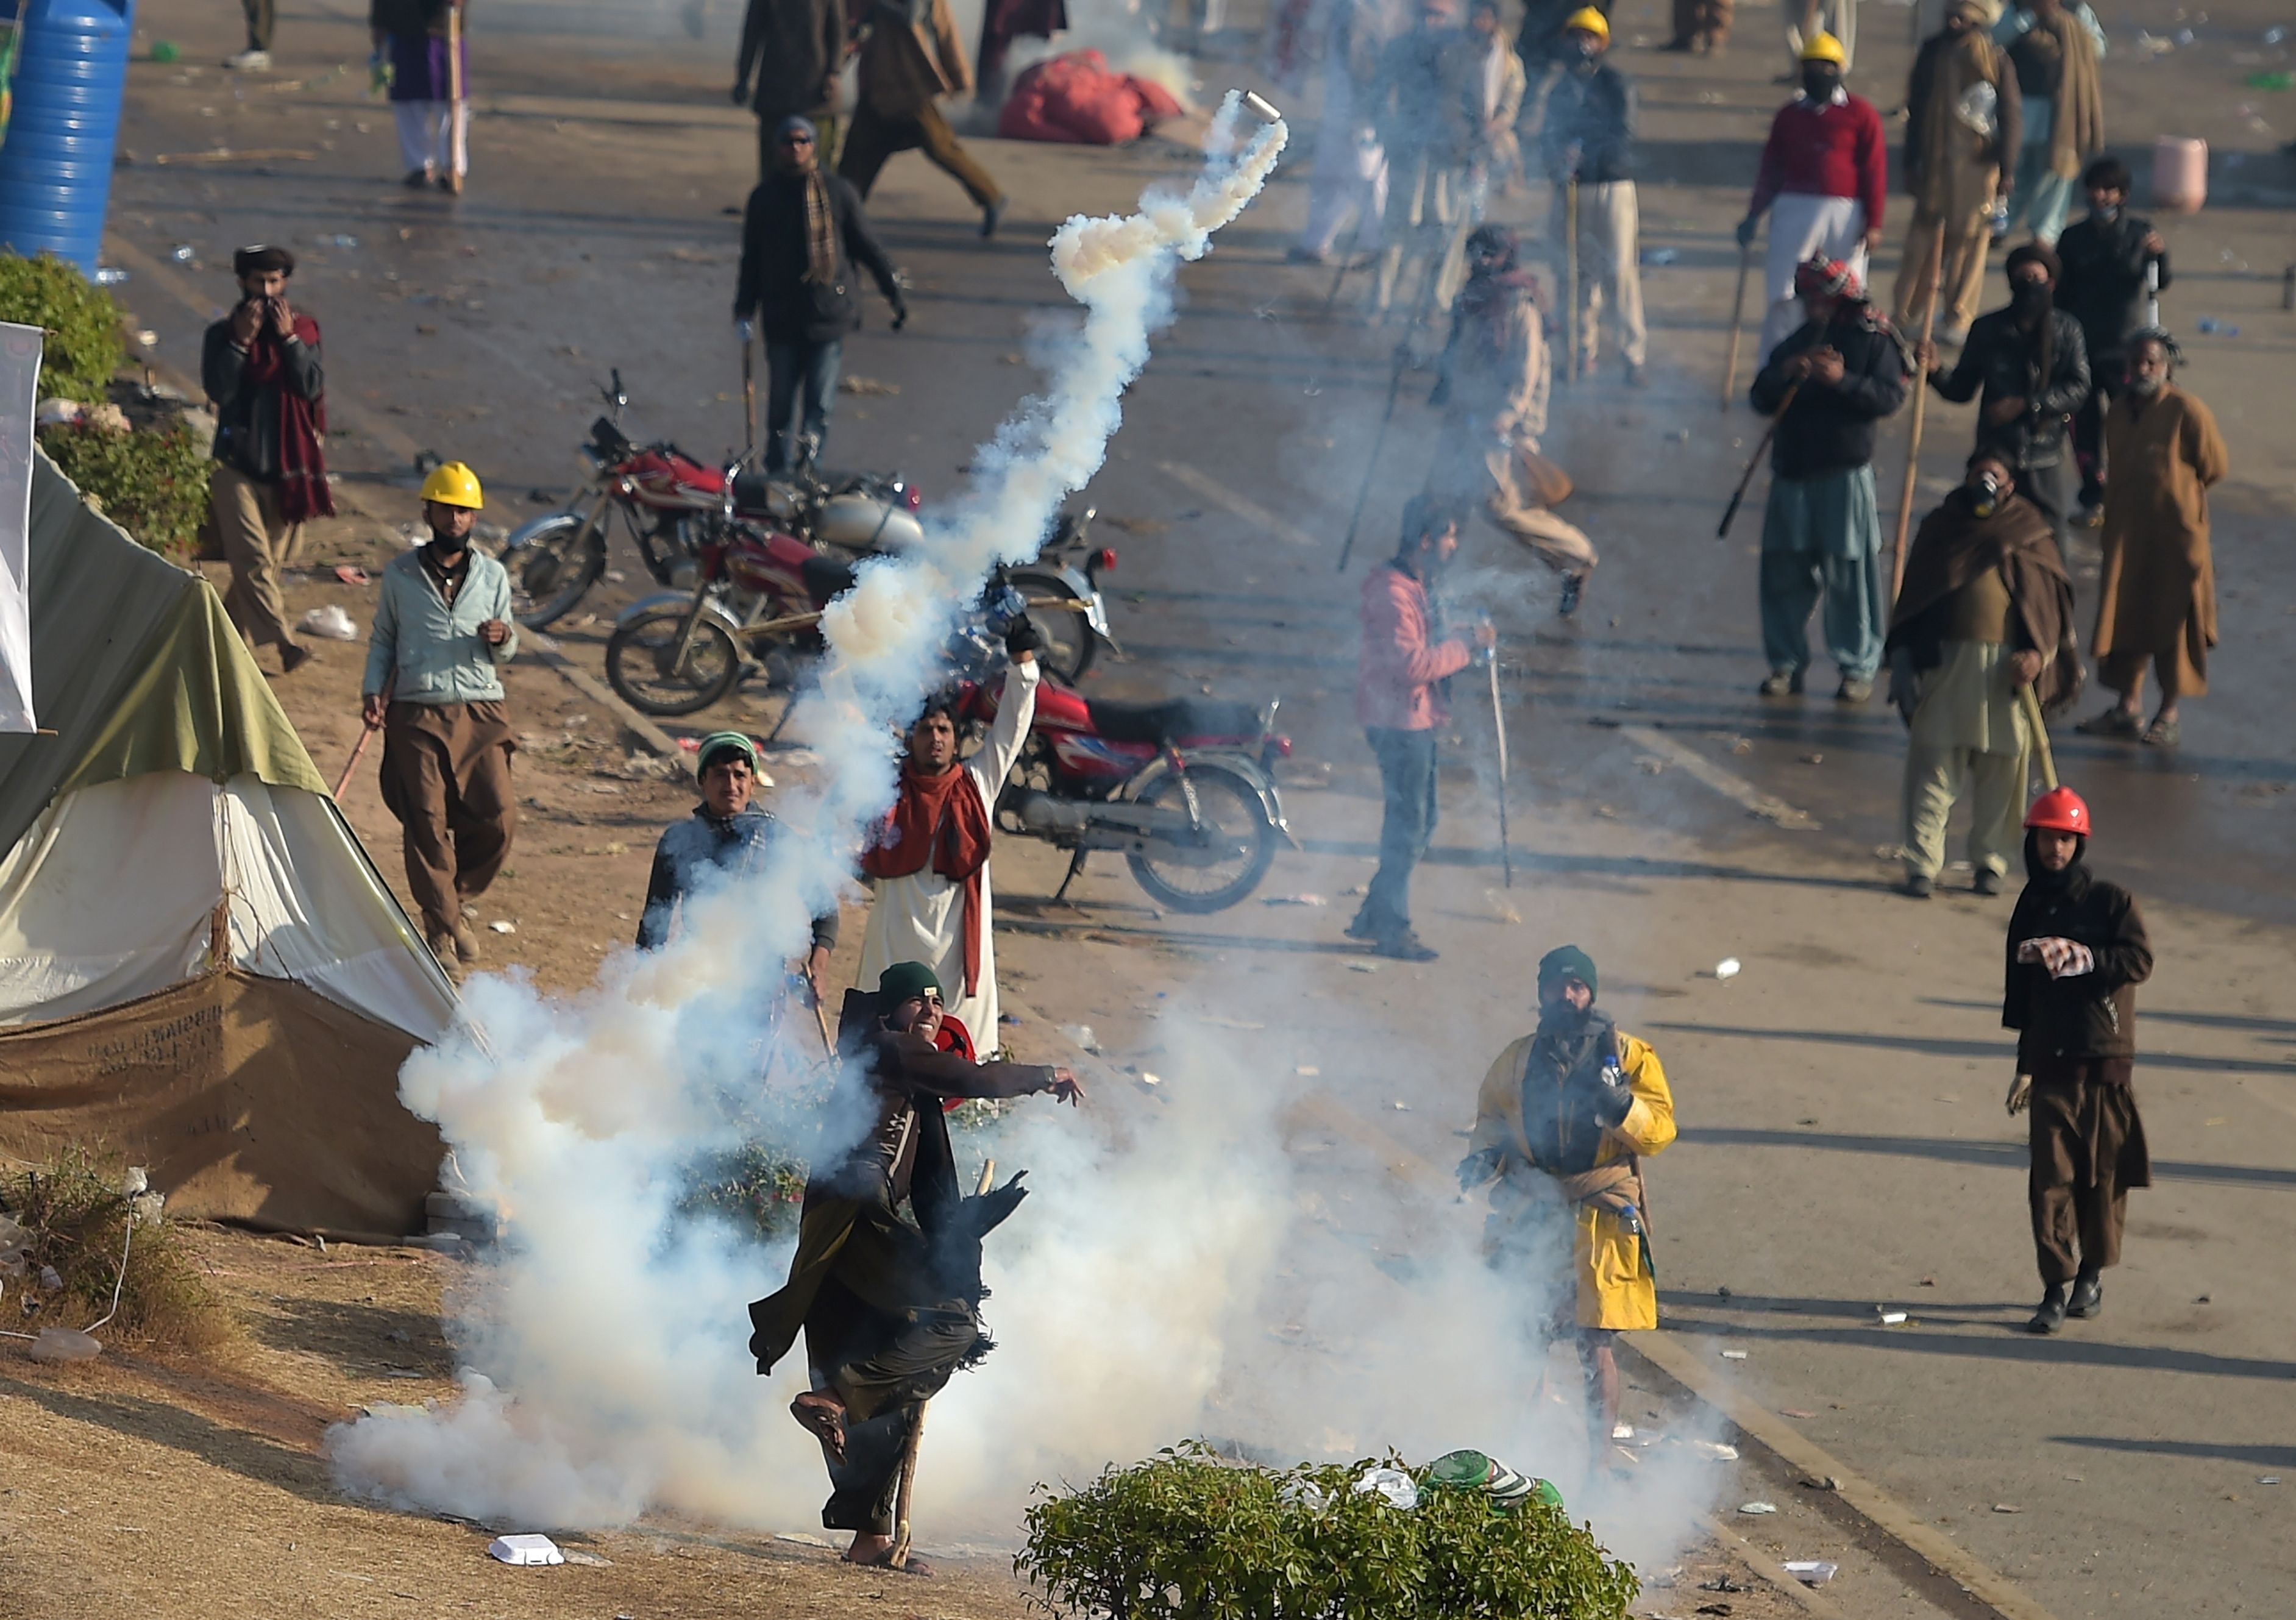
(822, 1416)
(2114, 722)
(2161, 735)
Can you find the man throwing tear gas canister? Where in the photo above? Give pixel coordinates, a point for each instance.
(1563, 1121)
(886, 1280)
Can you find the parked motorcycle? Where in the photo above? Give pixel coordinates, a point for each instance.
(1184, 788)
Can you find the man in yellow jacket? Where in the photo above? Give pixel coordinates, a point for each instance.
(1562, 1123)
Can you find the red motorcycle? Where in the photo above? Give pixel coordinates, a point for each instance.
(1184, 788)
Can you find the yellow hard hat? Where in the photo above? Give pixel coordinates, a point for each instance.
(1587, 19)
(1825, 47)
(453, 483)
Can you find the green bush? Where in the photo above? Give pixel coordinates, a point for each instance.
(74, 1221)
(1190, 1535)
(153, 483)
(83, 350)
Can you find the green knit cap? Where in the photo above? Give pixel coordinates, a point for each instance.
(905, 981)
(716, 743)
(1568, 961)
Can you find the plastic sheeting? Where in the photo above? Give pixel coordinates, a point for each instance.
(113, 892)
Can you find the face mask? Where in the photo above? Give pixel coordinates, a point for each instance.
(2146, 386)
(1819, 83)
(1985, 495)
(2028, 299)
(2105, 213)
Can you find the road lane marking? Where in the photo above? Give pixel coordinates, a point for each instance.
(1243, 506)
(1729, 784)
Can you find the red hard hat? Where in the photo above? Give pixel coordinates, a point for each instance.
(2060, 810)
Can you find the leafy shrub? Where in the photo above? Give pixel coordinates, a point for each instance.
(756, 1186)
(76, 1222)
(153, 482)
(1189, 1535)
(83, 347)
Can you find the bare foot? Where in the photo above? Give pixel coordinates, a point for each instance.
(822, 1416)
(867, 1549)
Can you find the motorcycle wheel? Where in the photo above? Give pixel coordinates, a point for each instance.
(1239, 832)
(639, 655)
(1070, 645)
(554, 569)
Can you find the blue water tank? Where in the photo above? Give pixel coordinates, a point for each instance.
(55, 165)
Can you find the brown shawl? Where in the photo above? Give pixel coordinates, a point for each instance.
(938, 821)
(2158, 587)
(1949, 164)
(1953, 545)
(2077, 131)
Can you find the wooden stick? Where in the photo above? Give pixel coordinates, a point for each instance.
(1913, 438)
(1498, 720)
(749, 398)
(1571, 269)
(366, 733)
(1737, 326)
(2040, 735)
(1379, 442)
(1730, 512)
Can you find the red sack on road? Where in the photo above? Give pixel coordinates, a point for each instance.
(1079, 98)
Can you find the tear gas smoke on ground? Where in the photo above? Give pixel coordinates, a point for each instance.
(606, 1342)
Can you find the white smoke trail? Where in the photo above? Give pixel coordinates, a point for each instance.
(607, 1342)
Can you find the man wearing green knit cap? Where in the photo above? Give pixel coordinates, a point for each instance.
(724, 842)
(1562, 1123)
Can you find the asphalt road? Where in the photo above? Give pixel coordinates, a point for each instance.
(1841, 1142)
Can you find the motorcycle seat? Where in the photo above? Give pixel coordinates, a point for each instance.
(1174, 721)
(825, 577)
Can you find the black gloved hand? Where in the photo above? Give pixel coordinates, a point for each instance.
(1612, 1103)
(900, 313)
(1747, 226)
(1023, 636)
(741, 93)
(1477, 1168)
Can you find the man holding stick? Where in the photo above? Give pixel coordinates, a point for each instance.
(1962, 129)
(885, 1285)
(1586, 140)
(428, 63)
(1827, 384)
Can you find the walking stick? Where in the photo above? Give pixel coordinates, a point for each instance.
(1737, 326)
(367, 733)
(1914, 437)
(1378, 443)
(899, 1558)
(1784, 404)
(1571, 266)
(2040, 735)
(1499, 723)
(455, 130)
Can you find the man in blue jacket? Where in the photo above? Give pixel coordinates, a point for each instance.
(442, 631)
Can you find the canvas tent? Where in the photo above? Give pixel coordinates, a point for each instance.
(199, 968)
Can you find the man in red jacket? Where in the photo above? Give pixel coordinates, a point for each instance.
(1406, 659)
(1823, 172)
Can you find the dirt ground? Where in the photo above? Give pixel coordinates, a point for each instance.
(142, 1485)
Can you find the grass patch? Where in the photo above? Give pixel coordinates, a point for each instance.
(74, 1221)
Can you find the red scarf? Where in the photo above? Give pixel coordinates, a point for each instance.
(303, 491)
(940, 820)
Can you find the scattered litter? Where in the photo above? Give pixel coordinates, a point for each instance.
(145, 337)
(524, 1550)
(183, 253)
(1303, 1494)
(1813, 760)
(1622, 1431)
(341, 241)
(329, 622)
(1678, 435)
(1402, 1107)
(1714, 1451)
(1810, 1572)
(1302, 899)
(1660, 256)
(2267, 1480)
(1821, 1482)
(2216, 328)
(109, 275)
(2275, 34)
(1147, 1078)
(1758, 1507)
(1307, 1071)
(1081, 1034)
(615, 576)
(1728, 968)
(503, 925)
(1363, 967)
(1891, 1319)
(590, 1560)
(1723, 1584)
(1794, 1411)
(2006, 1507)
(64, 1344)
(799, 1538)
(1733, 1355)
(350, 574)
(1501, 907)
(866, 387)
(1393, 1484)
(51, 1278)
(1927, 1283)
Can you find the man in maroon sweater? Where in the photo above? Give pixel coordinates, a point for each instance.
(1825, 170)
(1406, 658)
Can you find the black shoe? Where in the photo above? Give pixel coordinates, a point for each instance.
(2050, 1318)
(1988, 881)
(1405, 946)
(1636, 378)
(1574, 586)
(990, 215)
(2088, 1296)
(1917, 887)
